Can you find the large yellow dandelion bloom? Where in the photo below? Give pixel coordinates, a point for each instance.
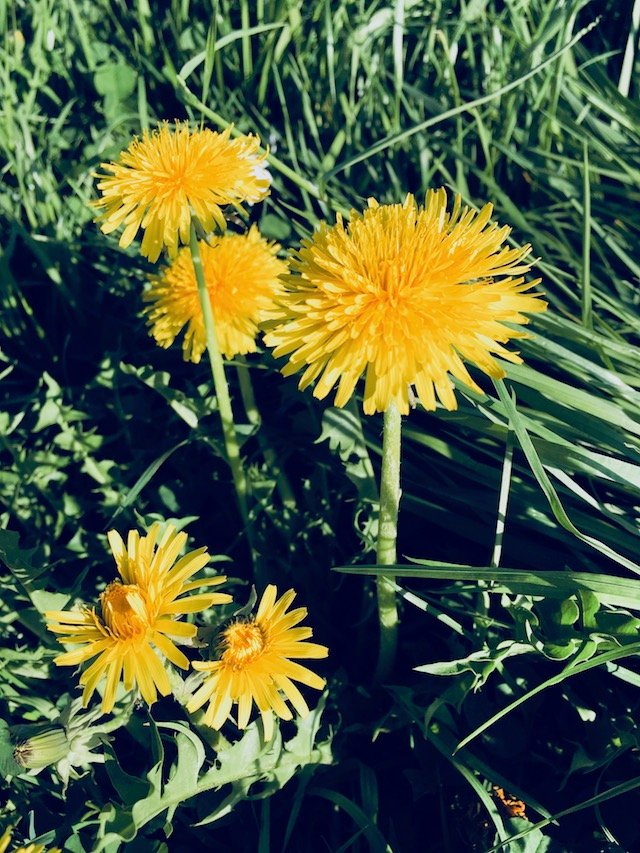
(255, 666)
(5, 841)
(170, 174)
(241, 271)
(137, 612)
(404, 294)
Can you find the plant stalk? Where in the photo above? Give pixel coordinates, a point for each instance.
(386, 544)
(220, 383)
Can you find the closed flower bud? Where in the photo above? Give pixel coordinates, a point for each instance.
(40, 750)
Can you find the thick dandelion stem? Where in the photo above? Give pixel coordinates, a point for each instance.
(386, 544)
(220, 383)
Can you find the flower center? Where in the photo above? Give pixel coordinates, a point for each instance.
(243, 643)
(124, 610)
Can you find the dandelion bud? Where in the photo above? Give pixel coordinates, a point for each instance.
(40, 750)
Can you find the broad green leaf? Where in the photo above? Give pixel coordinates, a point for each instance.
(241, 765)
(8, 765)
(116, 81)
(187, 409)
(20, 561)
(343, 429)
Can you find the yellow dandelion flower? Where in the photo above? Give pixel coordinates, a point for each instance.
(138, 612)
(404, 294)
(5, 841)
(255, 666)
(163, 179)
(241, 271)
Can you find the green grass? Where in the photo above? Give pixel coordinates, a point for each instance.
(530, 104)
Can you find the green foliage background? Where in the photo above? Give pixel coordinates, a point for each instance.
(532, 104)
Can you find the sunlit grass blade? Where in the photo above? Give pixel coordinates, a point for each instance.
(548, 489)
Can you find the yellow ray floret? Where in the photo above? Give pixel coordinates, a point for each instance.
(256, 665)
(172, 173)
(242, 274)
(138, 615)
(404, 294)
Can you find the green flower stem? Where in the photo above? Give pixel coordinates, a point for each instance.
(220, 383)
(246, 392)
(253, 416)
(386, 545)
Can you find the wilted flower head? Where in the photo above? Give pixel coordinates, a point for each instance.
(255, 666)
(241, 271)
(138, 612)
(404, 294)
(170, 174)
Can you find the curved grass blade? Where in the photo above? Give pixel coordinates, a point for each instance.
(375, 839)
(567, 672)
(390, 141)
(145, 477)
(546, 486)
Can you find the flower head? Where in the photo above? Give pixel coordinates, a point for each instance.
(404, 294)
(163, 179)
(241, 271)
(5, 841)
(255, 666)
(138, 612)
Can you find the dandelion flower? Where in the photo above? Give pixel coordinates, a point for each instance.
(404, 294)
(138, 611)
(163, 179)
(255, 666)
(241, 271)
(5, 841)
